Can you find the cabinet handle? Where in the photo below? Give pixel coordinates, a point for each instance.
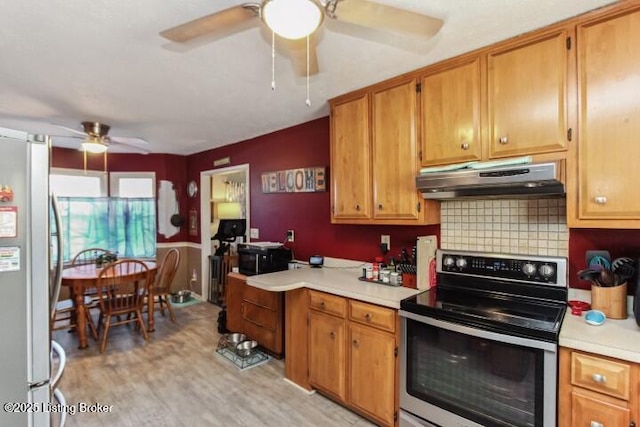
(596, 424)
(357, 207)
(601, 200)
(367, 317)
(356, 343)
(322, 304)
(464, 145)
(599, 378)
(380, 206)
(503, 140)
(332, 334)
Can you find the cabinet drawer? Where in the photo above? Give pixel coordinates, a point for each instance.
(373, 315)
(261, 297)
(265, 337)
(327, 303)
(587, 411)
(260, 316)
(601, 375)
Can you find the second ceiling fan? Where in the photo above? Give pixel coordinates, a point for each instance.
(294, 20)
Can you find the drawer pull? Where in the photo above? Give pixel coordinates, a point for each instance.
(322, 304)
(357, 207)
(503, 140)
(464, 145)
(601, 200)
(356, 343)
(380, 206)
(367, 317)
(332, 334)
(596, 424)
(599, 378)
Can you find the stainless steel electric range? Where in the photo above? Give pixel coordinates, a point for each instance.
(481, 348)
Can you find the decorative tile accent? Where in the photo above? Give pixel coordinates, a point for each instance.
(527, 226)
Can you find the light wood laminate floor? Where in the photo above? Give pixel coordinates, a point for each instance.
(177, 379)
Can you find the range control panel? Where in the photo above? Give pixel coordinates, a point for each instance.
(522, 268)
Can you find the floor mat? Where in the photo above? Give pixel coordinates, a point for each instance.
(243, 363)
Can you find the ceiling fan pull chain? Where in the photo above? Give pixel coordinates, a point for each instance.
(308, 102)
(273, 60)
(84, 152)
(105, 161)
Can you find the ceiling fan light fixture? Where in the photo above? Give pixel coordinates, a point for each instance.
(94, 145)
(292, 19)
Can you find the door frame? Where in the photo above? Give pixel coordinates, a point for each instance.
(205, 214)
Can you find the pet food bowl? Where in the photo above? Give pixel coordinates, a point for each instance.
(181, 296)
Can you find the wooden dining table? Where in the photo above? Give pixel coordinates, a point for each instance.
(85, 276)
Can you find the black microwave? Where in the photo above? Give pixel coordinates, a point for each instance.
(259, 260)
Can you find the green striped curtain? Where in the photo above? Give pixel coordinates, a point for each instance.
(123, 225)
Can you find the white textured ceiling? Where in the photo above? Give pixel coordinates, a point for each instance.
(65, 61)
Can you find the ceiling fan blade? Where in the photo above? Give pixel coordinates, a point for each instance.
(297, 50)
(221, 21)
(128, 147)
(76, 131)
(387, 18)
(131, 141)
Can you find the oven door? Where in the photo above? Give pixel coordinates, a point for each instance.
(456, 375)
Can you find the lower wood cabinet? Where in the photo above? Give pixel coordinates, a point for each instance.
(597, 391)
(257, 313)
(353, 350)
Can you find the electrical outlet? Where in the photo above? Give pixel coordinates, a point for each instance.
(290, 236)
(386, 239)
(254, 233)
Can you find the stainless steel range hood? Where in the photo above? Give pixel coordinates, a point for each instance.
(478, 181)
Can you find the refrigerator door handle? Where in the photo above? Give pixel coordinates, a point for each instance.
(59, 397)
(57, 284)
(62, 362)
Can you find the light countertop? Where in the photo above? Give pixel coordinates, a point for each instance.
(334, 280)
(619, 338)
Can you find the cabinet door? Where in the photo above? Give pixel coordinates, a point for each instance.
(234, 292)
(451, 114)
(372, 386)
(608, 64)
(327, 354)
(395, 161)
(527, 90)
(589, 412)
(351, 159)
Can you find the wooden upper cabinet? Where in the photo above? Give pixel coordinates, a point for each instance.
(527, 96)
(451, 114)
(394, 144)
(351, 159)
(609, 112)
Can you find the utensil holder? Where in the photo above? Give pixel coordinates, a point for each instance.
(612, 301)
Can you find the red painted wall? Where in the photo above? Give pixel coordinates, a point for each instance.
(168, 167)
(308, 214)
(618, 242)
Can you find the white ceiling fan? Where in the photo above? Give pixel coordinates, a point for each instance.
(296, 19)
(96, 139)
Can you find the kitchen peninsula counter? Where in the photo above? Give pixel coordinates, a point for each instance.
(334, 280)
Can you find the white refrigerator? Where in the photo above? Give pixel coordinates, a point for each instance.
(29, 282)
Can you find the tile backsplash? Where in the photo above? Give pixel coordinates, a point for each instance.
(527, 226)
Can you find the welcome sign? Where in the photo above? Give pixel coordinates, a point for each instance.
(301, 180)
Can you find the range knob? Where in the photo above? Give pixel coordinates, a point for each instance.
(461, 263)
(529, 269)
(448, 261)
(546, 270)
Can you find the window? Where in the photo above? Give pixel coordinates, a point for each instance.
(125, 224)
(132, 184)
(76, 183)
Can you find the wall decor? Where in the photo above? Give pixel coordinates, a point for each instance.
(301, 180)
(193, 222)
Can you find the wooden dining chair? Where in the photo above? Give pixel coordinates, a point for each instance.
(162, 284)
(65, 316)
(122, 288)
(89, 256)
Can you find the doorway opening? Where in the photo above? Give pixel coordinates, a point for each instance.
(224, 196)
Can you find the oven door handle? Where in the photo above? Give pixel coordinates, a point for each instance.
(480, 333)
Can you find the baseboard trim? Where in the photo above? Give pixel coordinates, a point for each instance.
(302, 389)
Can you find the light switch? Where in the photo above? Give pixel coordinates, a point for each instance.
(254, 233)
